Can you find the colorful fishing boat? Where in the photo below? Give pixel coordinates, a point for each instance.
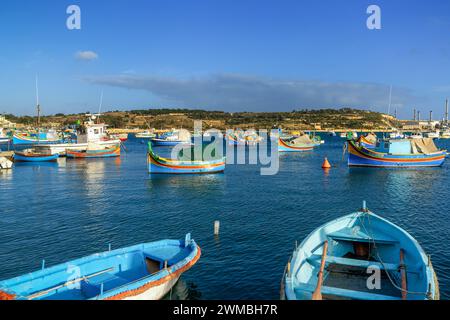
(341, 259)
(157, 164)
(121, 136)
(234, 140)
(296, 144)
(91, 131)
(30, 155)
(368, 141)
(145, 271)
(95, 152)
(32, 139)
(397, 153)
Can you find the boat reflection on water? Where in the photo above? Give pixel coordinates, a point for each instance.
(193, 182)
(183, 290)
(51, 164)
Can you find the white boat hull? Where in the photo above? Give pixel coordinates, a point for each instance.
(155, 293)
(62, 147)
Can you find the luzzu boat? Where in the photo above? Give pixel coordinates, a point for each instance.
(396, 153)
(30, 155)
(235, 140)
(368, 141)
(341, 258)
(104, 152)
(34, 139)
(296, 144)
(157, 164)
(141, 272)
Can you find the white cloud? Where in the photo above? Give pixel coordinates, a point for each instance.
(86, 55)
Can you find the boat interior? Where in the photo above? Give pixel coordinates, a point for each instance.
(95, 275)
(360, 266)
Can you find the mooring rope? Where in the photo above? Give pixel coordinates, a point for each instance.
(381, 261)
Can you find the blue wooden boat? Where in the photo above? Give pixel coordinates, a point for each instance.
(336, 260)
(31, 139)
(29, 155)
(167, 142)
(157, 164)
(141, 272)
(396, 153)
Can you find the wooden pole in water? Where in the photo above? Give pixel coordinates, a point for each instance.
(317, 294)
(403, 273)
(216, 227)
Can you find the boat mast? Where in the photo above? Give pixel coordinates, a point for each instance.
(100, 107)
(390, 100)
(38, 107)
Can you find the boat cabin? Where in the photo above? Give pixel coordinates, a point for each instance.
(407, 146)
(92, 132)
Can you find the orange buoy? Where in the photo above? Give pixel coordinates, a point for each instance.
(326, 164)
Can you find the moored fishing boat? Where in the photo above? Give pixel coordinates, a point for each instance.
(435, 135)
(121, 136)
(32, 139)
(145, 271)
(88, 132)
(337, 260)
(296, 144)
(145, 135)
(95, 152)
(157, 164)
(30, 155)
(368, 141)
(396, 153)
(172, 138)
(235, 140)
(445, 134)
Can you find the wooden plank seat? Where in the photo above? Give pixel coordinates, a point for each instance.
(345, 293)
(315, 260)
(360, 236)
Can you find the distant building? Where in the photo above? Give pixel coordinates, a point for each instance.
(6, 123)
(411, 125)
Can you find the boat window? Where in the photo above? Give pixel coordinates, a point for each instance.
(386, 145)
(153, 266)
(96, 131)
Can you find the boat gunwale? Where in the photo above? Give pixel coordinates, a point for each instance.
(193, 257)
(428, 272)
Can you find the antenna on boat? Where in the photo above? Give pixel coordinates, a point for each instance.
(100, 107)
(390, 99)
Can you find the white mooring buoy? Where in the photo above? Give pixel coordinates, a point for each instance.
(216, 227)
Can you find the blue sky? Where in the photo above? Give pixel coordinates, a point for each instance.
(232, 55)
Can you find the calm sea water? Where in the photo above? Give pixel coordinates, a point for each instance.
(63, 211)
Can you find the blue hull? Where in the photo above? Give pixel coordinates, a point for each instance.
(113, 275)
(166, 143)
(18, 157)
(17, 141)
